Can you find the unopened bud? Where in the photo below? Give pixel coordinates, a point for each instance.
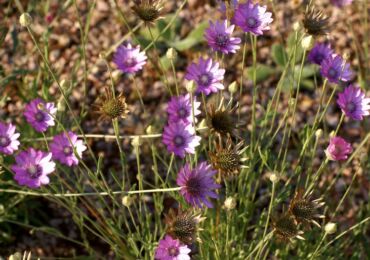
(274, 178)
(330, 228)
(296, 26)
(25, 19)
(318, 133)
(233, 87)
(126, 201)
(150, 130)
(332, 134)
(230, 203)
(171, 54)
(136, 142)
(307, 42)
(191, 86)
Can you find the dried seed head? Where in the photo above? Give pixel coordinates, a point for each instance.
(148, 10)
(221, 121)
(304, 209)
(110, 107)
(229, 160)
(183, 225)
(286, 228)
(315, 22)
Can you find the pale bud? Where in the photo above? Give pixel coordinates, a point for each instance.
(318, 133)
(25, 19)
(171, 54)
(191, 86)
(126, 201)
(230, 203)
(274, 178)
(332, 134)
(150, 130)
(296, 26)
(330, 228)
(307, 42)
(136, 142)
(233, 87)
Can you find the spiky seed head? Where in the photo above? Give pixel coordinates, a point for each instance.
(183, 225)
(110, 107)
(315, 22)
(286, 227)
(228, 160)
(220, 120)
(148, 10)
(305, 209)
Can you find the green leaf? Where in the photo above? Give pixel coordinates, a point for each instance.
(263, 72)
(279, 55)
(193, 38)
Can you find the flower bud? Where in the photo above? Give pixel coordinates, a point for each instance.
(25, 19)
(318, 133)
(126, 201)
(296, 26)
(307, 42)
(330, 228)
(191, 86)
(150, 130)
(233, 87)
(171, 54)
(230, 203)
(274, 178)
(332, 134)
(136, 142)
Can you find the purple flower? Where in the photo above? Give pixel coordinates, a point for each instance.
(39, 114)
(129, 59)
(338, 149)
(171, 249)
(62, 148)
(341, 3)
(353, 103)
(180, 109)
(252, 18)
(197, 184)
(320, 52)
(218, 36)
(8, 139)
(335, 69)
(207, 75)
(180, 138)
(223, 7)
(32, 168)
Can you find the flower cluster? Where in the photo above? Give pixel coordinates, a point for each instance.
(32, 166)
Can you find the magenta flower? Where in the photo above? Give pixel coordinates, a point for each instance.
(197, 184)
(219, 38)
(171, 249)
(335, 69)
(353, 103)
(180, 138)
(32, 168)
(129, 59)
(8, 139)
(252, 18)
(341, 3)
(180, 109)
(320, 52)
(39, 114)
(62, 148)
(338, 149)
(207, 75)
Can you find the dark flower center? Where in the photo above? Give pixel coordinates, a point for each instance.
(173, 251)
(129, 62)
(67, 150)
(205, 79)
(34, 171)
(332, 73)
(319, 58)
(4, 141)
(222, 40)
(351, 107)
(40, 116)
(179, 140)
(182, 112)
(194, 186)
(252, 22)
